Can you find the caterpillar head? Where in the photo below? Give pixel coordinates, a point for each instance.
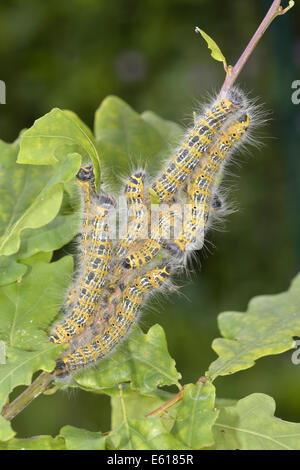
(60, 370)
(86, 174)
(134, 188)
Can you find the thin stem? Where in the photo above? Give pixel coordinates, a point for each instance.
(202, 380)
(37, 387)
(167, 404)
(233, 72)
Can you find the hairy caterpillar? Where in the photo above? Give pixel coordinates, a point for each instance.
(118, 325)
(152, 246)
(86, 181)
(137, 212)
(97, 321)
(137, 222)
(99, 255)
(201, 188)
(196, 144)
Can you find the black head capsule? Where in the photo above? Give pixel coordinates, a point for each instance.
(126, 264)
(86, 173)
(60, 369)
(140, 174)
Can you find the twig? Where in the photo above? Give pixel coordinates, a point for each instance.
(40, 384)
(167, 404)
(175, 399)
(233, 72)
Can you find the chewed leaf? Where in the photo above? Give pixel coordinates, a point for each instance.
(81, 439)
(143, 360)
(215, 50)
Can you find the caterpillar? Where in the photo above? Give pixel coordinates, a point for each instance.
(96, 319)
(137, 222)
(146, 251)
(200, 190)
(86, 180)
(197, 142)
(99, 255)
(125, 315)
(137, 212)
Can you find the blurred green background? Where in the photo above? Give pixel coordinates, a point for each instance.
(72, 54)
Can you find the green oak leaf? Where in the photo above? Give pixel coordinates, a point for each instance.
(126, 139)
(195, 416)
(50, 237)
(251, 425)
(30, 196)
(143, 360)
(34, 443)
(268, 327)
(21, 364)
(143, 434)
(169, 131)
(81, 439)
(6, 432)
(29, 306)
(53, 136)
(40, 257)
(138, 405)
(10, 270)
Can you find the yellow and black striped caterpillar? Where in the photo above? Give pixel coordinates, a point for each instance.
(137, 213)
(96, 320)
(193, 151)
(196, 144)
(200, 191)
(147, 250)
(127, 310)
(86, 181)
(99, 255)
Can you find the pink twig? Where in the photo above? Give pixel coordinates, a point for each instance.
(233, 73)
